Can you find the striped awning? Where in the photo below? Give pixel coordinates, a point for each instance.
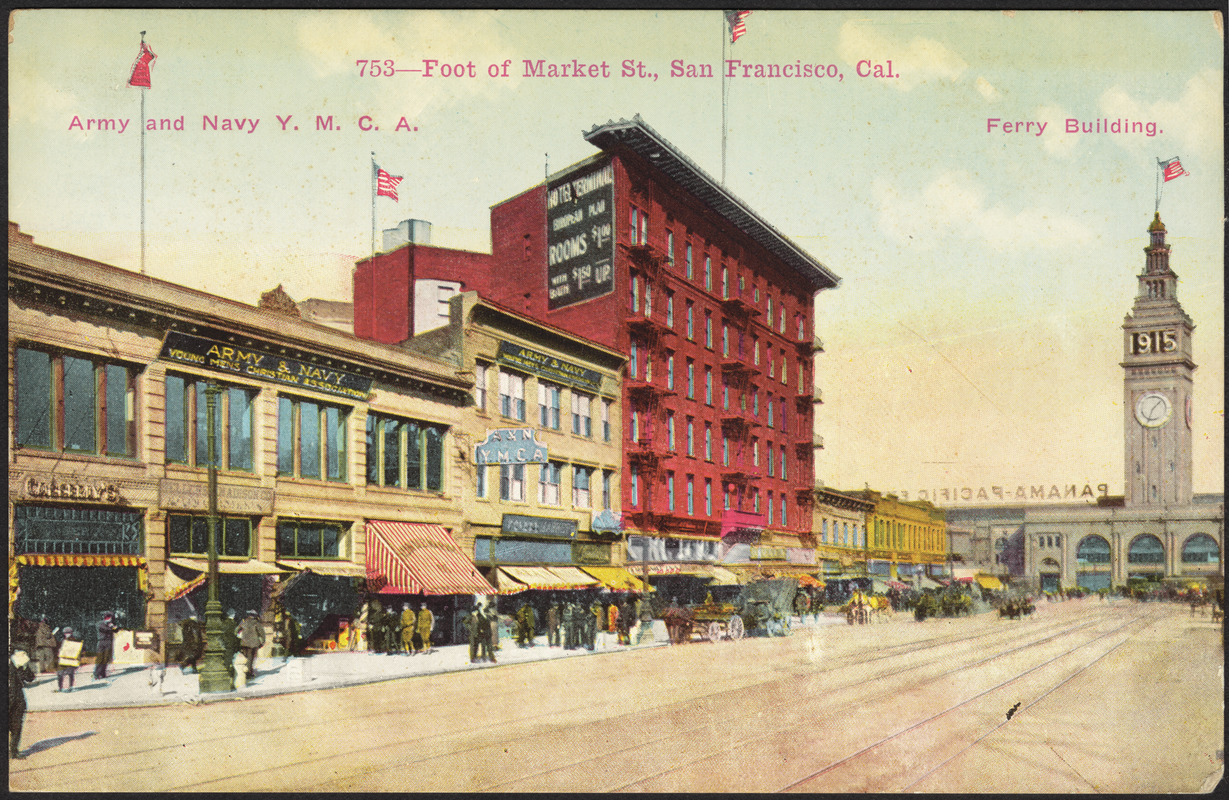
(616, 578)
(249, 567)
(577, 578)
(340, 569)
(414, 558)
(534, 578)
(187, 587)
(78, 560)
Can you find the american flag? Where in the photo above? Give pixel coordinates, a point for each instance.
(141, 67)
(738, 23)
(386, 185)
(1172, 169)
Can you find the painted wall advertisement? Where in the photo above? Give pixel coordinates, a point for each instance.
(580, 236)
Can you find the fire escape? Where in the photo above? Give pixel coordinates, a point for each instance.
(736, 421)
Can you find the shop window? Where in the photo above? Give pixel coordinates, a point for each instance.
(74, 405)
(512, 482)
(311, 439)
(580, 487)
(187, 439)
(548, 405)
(548, 483)
(302, 538)
(77, 530)
(582, 414)
(189, 535)
(512, 395)
(407, 454)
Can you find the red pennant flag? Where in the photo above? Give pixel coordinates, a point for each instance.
(1172, 169)
(141, 67)
(738, 23)
(386, 185)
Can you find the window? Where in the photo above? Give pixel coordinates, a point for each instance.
(311, 439)
(768, 457)
(755, 500)
(301, 538)
(690, 273)
(708, 441)
(691, 436)
(708, 385)
(635, 476)
(802, 382)
(670, 370)
(755, 452)
(480, 371)
(607, 477)
(635, 288)
(691, 495)
(728, 498)
(755, 290)
(669, 248)
(785, 520)
(670, 430)
(708, 496)
(782, 401)
(188, 443)
(580, 487)
(708, 329)
(708, 274)
(635, 425)
(801, 326)
(1146, 549)
(670, 490)
(770, 406)
(1199, 549)
(755, 347)
(548, 405)
(755, 402)
(582, 419)
(633, 363)
(769, 507)
(823, 534)
(768, 317)
(725, 282)
(548, 483)
(670, 309)
(784, 368)
(691, 331)
(648, 299)
(605, 420)
(189, 535)
(512, 482)
(781, 318)
(772, 373)
(512, 395)
(408, 454)
(725, 339)
(75, 405)
(783, 475)
(635, 218)
(725, 393)
(725, 450)
(480, 490)
(691, 379)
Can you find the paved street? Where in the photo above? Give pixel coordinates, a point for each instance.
(1108, 697)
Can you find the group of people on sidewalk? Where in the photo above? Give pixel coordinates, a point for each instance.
(393, 633)
(241, 641)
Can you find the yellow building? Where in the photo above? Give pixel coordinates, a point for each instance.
(839, 523)
(906, 539)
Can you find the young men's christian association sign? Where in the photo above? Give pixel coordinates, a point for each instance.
(510, 446)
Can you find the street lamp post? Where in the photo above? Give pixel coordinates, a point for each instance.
(214, 676)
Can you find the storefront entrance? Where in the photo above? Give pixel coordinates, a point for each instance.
(78, 597)
(1049, 581)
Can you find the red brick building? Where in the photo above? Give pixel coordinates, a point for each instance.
(638, 249)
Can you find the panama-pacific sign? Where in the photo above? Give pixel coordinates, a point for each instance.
(510, 446)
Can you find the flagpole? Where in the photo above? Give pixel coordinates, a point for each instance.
(373, 206)
(142, 166)
(724, 22)
(1157, 208)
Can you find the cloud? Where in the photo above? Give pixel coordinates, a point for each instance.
(1056, 142)
(35, 100)
(954, 204)
(1195, 118)
(986, 89)
(917, 61)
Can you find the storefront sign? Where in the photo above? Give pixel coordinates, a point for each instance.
(540, 526)
(591, 553)
(580, 236)
(547, 366)
(510, 446)
(1009, 494)
(245, 361)
(606, 522)
(766, 553)
(194, 496)
(651, 548)
(72, 489)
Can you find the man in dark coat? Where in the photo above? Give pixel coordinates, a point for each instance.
(20, 673)
(594, 620)
(473, 626)
(106, 643)
(44, 646)
(526, 624)
(488, 632)
(625, 623)
(553, 620)
(230, 642)
(375, 627)
(569, 626)
(251, 636)
(191, 644)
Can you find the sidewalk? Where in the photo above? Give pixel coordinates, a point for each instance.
(149, 685)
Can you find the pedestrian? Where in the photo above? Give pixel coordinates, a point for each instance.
(230, 642)
(20, 673)
(473, 626)
(68, 659)
(106, 643)
(493, 618)
(488, 635)
(423, 628)
(553, 620)
(612, 620)
(625, 623)
(251, 636)
(44, 646)
(290, 636)
(191, 644)
(595, 621)
(358, 628)
(569, 626)
(409, 624)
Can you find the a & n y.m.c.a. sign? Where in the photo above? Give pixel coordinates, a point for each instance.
(510, 446)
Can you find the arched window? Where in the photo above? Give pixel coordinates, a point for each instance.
(1093, 550)
(1200, 549)
(1146, 549)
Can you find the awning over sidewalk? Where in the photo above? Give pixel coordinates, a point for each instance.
(988, 582)
(339, 569)
(78, 560)
(722, 576)
(577, 578)
(616, 578)
(250, 567)
(531, 578)
(412, 558)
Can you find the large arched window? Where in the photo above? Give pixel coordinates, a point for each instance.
(1146, 549)
(1093, 550)
(1200, 549)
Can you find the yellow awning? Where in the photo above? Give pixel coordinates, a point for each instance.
(533, 578)
(575, 577)
(78, 560)
(616, 578)
(249, 567)
(340, 569)
(722, 576)
(988, 582)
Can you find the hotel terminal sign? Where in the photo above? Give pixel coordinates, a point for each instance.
(580, 236)
(548, 366)
(248, 362)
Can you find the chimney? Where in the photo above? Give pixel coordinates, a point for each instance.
(416, 231)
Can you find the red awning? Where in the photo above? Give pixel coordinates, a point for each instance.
(412, 558)
(897, 585)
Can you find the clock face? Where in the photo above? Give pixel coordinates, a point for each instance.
(1153, 409)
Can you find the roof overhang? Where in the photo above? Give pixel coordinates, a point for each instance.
(636, 136)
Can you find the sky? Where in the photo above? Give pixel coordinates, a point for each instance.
(975, 338)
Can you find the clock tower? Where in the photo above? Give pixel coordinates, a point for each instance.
(1157, 385)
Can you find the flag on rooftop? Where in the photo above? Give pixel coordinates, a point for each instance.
(1172, 169)
(386, 185)
(738, 23)
(141, 67)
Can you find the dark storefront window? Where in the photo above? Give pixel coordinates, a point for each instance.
(301, 538)
(521, 551)
(405, 453)
(74, 405)
(188, 535)
(78, 596)
(82, 531)
(313, 437)
(187, 438)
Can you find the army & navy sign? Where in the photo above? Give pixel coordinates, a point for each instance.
(547, 366)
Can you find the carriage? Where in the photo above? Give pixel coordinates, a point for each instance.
(712, 622)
